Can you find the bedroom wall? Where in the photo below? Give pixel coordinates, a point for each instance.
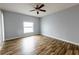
(63, 24)
(13, 23)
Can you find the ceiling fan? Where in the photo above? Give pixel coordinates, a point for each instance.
(38, 7)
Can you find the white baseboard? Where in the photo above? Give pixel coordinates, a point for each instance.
(12, 38)
(21, 36)
(61, 39)
(50, 37)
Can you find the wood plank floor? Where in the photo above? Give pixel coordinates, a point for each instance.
(38, 45)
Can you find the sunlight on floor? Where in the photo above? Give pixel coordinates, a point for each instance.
(28, 45)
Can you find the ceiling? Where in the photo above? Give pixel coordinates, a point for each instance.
(25, 8)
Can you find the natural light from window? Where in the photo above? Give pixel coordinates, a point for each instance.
(28, 27)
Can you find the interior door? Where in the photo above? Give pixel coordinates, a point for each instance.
(1, 29)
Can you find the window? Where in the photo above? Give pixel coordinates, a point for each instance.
(28, 27)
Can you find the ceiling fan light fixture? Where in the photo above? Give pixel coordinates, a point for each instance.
(38, 8)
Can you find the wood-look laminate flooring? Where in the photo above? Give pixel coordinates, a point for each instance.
(38, 45)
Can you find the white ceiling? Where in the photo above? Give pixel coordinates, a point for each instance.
(25, 8)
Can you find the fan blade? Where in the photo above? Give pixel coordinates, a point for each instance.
(37, 12)
(32, 10)
(43, 10)
(37, 6)
(42, 5)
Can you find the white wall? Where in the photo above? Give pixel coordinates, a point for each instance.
(63, 24)
(13, 23)
(1, 29)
